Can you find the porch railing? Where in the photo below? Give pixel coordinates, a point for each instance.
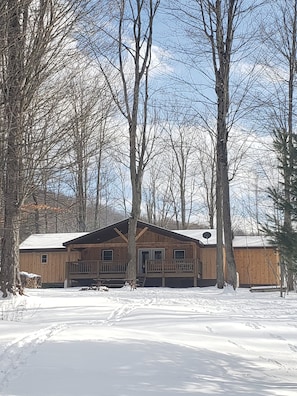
(95, 268)
(171, 266)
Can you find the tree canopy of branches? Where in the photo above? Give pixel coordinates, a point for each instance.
(32, 34)
(122, 45)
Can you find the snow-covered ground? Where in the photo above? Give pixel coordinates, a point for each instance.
(151, 341)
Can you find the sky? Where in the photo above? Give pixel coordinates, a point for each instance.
(149, 341)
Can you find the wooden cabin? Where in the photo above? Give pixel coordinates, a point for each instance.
(181, 258)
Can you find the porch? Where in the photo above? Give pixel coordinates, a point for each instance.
(100, 270)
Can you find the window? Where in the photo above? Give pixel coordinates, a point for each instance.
(107, 255)
(44, 259)
(158, 255)
(179, 254)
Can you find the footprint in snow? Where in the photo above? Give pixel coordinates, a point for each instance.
(293, 347)
(278, 337)
(254, 325)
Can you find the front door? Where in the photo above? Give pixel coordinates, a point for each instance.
(148, 254)
(144, 256)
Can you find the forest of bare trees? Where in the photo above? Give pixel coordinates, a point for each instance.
(164, 111)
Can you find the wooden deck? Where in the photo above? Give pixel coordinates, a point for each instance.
(98, 269)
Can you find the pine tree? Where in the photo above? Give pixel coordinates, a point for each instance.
(282, 225)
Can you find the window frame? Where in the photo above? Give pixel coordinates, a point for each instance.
(179, 258)
(44, 258)
(103, 254)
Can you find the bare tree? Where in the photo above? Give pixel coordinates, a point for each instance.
(213, 28)
(31, 38)
(205, 148)
(89, 109)
(180, 137)
(129, 30)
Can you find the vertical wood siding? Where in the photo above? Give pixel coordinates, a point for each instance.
(51, 272)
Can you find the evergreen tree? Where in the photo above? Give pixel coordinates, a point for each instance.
(282, 225)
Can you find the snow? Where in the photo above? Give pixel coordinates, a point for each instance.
(49, 241)
(55, 241)
(150, 341)
(239, 241)
(29, 275)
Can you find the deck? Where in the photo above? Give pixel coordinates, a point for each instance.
(99, 269)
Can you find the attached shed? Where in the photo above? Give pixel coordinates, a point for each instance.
(257, 261)
(45, 255)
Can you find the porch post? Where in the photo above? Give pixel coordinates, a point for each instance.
(195, 274)
(194, 247)
(163, 274)
(67, 282)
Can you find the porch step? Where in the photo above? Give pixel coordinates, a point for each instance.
(141, 281)
(112, 283)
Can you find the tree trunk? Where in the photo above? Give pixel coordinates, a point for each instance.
(226, 215)
(228, 234)
(13, 173)
(219, 230)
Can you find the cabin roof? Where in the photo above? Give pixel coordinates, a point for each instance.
(48, 241)
(206, 237)
(239, 241)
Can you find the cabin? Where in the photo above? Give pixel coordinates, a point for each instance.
(166, 258)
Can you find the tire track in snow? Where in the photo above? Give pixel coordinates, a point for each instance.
(16, 354)
(122, 311)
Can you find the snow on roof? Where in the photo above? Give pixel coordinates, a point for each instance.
(55, 241)
(49, 241)
(238, 241)
(251, 241)
(207, 237)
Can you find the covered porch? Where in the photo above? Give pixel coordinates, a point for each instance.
(101, 271)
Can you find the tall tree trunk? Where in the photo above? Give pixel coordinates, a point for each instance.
(10, 280)
(222, 49)
(219, 230)
(136, 183)
(289, 169)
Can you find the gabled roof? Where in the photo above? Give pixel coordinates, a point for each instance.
(204, 237)
(107, 233)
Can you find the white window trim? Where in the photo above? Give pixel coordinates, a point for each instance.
(179, 250)
(107, 250)
(46, 259)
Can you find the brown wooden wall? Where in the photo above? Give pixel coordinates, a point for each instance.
(147, 240)
(258, 266)
(120, 253)
(208, 259)
(255, 266)
(51, 272)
